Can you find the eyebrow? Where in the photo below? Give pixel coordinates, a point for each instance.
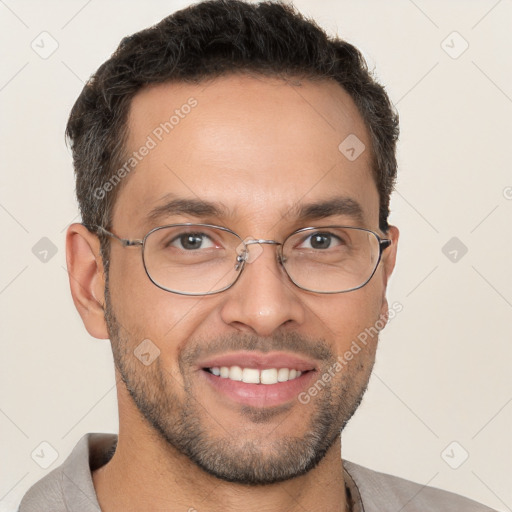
(339, 205)
(336, 206)
(182, 206)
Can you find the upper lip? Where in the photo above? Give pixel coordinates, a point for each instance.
(260, 361)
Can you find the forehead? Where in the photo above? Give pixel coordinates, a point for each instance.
(257, 147)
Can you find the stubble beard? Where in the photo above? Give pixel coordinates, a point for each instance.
(232, 457)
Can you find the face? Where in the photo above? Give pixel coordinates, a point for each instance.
(255, 152)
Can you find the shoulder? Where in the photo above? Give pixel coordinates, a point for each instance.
(45, 495)
(69, 487)
(382, 492)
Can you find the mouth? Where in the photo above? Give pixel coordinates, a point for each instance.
(259, 380)
(267, 376)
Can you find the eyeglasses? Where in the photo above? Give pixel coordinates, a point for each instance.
(203, 259)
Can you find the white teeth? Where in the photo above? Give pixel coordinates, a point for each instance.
(283, 374)
(255, 376)
(251, 376)
(269, 376)
(235, 373)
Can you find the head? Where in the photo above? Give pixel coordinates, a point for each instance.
(236, 115)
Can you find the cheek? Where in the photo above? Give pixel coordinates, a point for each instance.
(367, 305)
(141, 307)
(347, 317)
(148, 312)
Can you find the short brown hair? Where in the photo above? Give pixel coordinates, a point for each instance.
(206, 40)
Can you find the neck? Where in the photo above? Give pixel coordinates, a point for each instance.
(145, 469)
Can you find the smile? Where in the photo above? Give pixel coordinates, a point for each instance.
(255, 376)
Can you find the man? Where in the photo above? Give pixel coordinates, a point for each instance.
(234, 167)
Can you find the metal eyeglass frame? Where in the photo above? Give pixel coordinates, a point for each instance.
(384, 243)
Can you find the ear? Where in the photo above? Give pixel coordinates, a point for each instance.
(388, 264)
(87, 278)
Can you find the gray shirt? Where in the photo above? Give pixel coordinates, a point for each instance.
(69, 488)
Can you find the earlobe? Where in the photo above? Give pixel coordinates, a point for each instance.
(86, 278)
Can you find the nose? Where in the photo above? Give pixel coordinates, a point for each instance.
(263, 299)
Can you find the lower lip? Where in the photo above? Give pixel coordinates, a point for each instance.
(260, 395)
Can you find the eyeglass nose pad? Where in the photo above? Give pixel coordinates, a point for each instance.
(242, 257)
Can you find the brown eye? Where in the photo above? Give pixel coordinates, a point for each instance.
(192, 241)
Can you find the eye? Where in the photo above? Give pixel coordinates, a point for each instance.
(192, 241)
(321, 241)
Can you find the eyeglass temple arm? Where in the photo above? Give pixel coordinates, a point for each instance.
(124, 241)
(384, 244)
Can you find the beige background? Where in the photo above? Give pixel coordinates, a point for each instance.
(443, 370)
